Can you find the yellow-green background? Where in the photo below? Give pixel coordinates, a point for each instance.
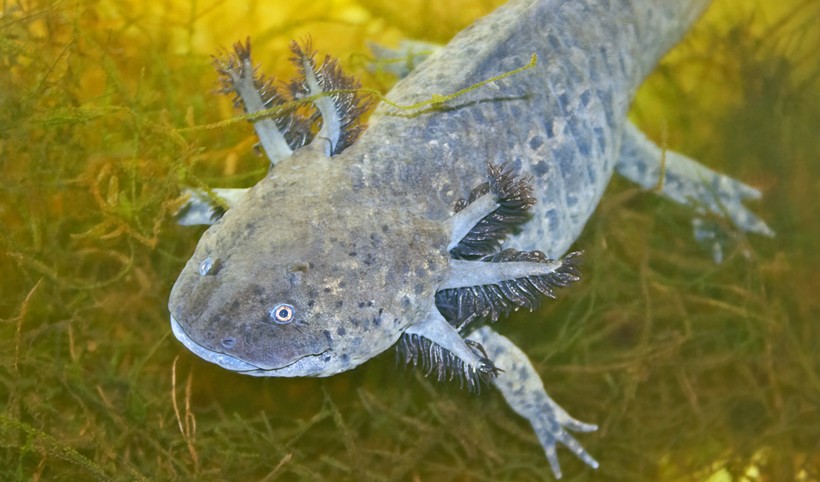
(694, 371)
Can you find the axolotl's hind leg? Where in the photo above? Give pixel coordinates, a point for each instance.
(686, 181)
(524, 392)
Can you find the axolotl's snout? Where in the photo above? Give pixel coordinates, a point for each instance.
(276, 292)
(222, 356)
(245, 300)
(226, 313)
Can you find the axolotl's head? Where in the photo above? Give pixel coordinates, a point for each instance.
(297, 281)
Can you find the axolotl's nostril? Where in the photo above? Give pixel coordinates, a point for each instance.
(228, 342)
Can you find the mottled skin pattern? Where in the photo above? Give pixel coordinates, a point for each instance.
(355, 246)
(356, 281)
(560, 122)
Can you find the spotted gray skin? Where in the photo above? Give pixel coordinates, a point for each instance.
(355, 245)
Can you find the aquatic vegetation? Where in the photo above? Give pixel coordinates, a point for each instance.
(691, 369)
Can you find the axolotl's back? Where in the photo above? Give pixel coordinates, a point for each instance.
(560, 122)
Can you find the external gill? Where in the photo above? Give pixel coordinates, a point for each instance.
(492, 287)
(483, 284)
(493, 210)
(438, 349)
(255, 93)
(293, 125)
(340, 109)
(330, 91)
(199, 209)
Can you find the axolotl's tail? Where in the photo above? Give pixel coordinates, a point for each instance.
(660, 25)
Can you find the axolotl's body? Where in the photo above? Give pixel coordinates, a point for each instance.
(437, 222)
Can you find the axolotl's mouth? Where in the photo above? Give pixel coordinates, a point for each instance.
(311, 364)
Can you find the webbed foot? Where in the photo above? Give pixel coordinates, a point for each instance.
(686, 181)
(524, 392)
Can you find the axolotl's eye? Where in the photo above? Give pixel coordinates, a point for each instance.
(282, 313)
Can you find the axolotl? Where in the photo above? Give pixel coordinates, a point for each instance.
(423, 229)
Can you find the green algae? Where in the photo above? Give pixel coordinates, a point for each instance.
(694, 371)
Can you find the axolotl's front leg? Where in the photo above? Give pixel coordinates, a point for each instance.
(524, 392)
(483, 285)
